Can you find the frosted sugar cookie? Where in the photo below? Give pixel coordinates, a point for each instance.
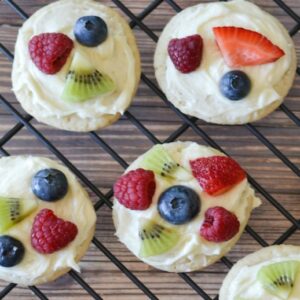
(76, 65)
(47, 220)
(181, 206)
(272, 273)
(225, 62)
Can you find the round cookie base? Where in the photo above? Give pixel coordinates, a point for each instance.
(255, 258)
(191, 266)
(74, 122)
(54, 273)
(282, 88)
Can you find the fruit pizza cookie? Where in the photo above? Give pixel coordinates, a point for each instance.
(76, 65)
(272, 273)
(225, 62)
(182, 206)
(46, 220)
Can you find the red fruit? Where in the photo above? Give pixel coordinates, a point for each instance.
(50, 233)
(217, 174)
(243, 47)
(135, 189)
(49, 51)
(220, 225)
(186, 53)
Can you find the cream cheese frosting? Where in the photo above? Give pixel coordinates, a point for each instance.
(115, 57)
(191, 252)
(244, 285)
(16, 174)
(197, 93)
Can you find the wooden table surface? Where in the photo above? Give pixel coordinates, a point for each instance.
(129, 142)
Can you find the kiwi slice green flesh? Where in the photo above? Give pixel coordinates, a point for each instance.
(156, 239)
(160, 162)
(279, 278)
(13, 210)
(84, 82)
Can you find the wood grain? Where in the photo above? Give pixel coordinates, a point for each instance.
(269, 171)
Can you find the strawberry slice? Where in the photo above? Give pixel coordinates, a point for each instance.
(217, 174)
(243, 47)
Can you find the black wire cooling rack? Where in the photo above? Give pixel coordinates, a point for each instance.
(187, 123)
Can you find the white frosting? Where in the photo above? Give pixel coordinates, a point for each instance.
(113, 57)
(197, 93)
(192, 251)
(16, 174)
(247, 287)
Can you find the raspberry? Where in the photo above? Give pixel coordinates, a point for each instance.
(217, 174)
(186, 53)
(49, 51)
(220, 225)
(135, 189)
(50, 233)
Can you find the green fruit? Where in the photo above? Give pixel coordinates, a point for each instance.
(13, 210)
(156, 239)
(84, 82)
(278, 278)
(160, 162)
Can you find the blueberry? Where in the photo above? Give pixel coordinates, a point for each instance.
(90, 31)
(235, 85)
(178, 204)
(11, 251)
(49, 185)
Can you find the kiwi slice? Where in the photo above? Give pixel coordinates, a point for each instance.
(278, 278)
(13, 210)
(84, 82)
(160, 162)
(156, 239)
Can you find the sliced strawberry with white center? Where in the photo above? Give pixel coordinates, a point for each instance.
(243, 47)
